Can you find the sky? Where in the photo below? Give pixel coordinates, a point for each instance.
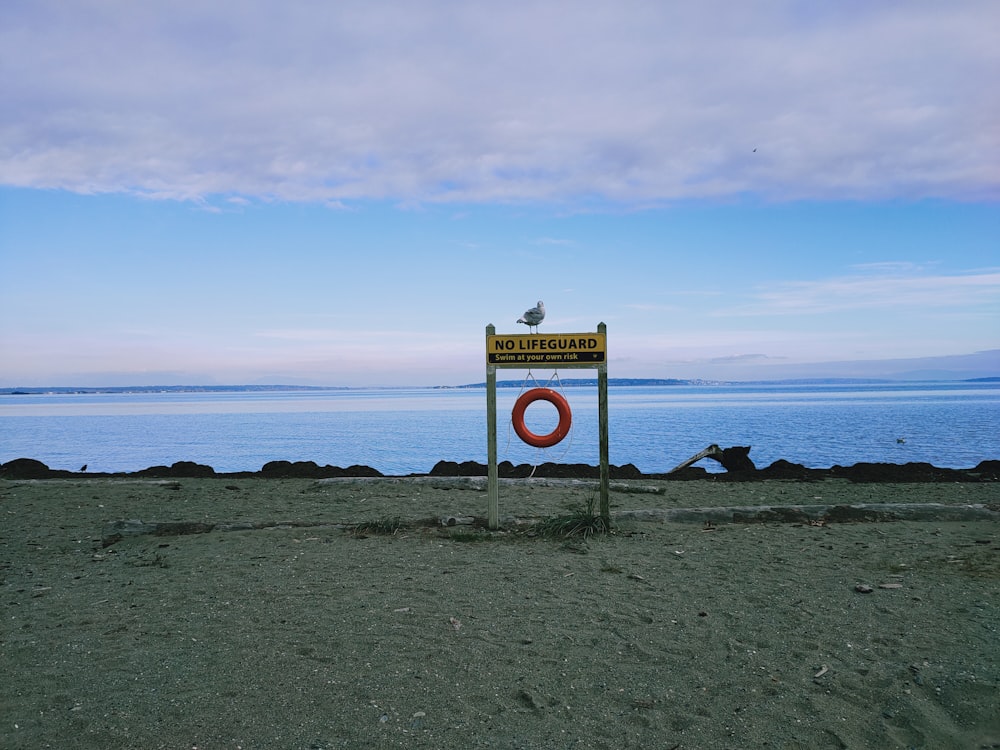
(346, 194)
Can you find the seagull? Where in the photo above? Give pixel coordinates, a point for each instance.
(534, 316)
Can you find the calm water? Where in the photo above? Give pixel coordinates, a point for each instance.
(407, 431)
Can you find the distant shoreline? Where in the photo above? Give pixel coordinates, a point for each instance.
(566, 382)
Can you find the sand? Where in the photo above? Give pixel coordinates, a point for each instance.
(661, 635)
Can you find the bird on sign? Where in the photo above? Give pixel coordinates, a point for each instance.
(534, 316)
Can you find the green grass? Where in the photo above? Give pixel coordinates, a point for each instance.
(580, 522)
(583, 525)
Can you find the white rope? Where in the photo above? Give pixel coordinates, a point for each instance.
(510, 421)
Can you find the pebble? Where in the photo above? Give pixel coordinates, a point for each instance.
(863, 588)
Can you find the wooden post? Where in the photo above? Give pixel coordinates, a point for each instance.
(491, 440)
(602, 418)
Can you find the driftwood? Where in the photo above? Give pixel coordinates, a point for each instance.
(480, 484)
(736, 458)
(118, 530)
(861, 512)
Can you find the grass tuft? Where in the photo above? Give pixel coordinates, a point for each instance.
(582, 522)
(382, 526)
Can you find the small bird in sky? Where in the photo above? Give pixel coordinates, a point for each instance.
(534, 316)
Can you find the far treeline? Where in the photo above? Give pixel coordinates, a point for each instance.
(568, 382)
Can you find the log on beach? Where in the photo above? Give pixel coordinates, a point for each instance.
(873, 512)
(868, 512)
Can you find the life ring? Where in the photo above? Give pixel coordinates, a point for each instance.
(544, 394)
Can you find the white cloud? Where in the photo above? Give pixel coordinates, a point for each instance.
(877, 291)
(638, 102)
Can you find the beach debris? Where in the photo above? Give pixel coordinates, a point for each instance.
(386, 526)
(736, 458)
(534, 316)
(455, 623)
(117, 530)
(529, 700)
(863, 588)
(823, 670)
(457, 520)
(711, 450)
(827, 514)
(709, 526)
(890, 585)
(639, 578)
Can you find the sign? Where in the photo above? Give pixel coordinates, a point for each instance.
(556, 349)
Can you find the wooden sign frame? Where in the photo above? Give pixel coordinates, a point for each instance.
(598, 361)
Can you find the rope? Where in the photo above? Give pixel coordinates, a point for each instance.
(510, 423)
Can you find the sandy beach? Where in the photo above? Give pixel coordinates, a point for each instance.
(278, 626)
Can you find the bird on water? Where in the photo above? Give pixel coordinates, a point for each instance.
(534, 316)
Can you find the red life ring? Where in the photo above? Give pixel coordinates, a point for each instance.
(561, 430)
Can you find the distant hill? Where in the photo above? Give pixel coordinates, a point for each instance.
(625, 382)
(565, 382)
(167, 389)
(577, 382)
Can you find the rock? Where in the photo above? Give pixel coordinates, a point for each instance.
(186, 469)
(24, 468)
(311, 470)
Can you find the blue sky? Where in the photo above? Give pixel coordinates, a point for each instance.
(347, 193)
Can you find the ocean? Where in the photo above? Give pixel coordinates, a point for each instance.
(403, 431)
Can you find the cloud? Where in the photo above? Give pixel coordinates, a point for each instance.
(633, 102)
(876, 291)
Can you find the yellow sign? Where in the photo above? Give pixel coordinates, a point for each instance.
(547, 349)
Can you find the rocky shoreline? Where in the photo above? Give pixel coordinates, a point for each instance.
(984, 471)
